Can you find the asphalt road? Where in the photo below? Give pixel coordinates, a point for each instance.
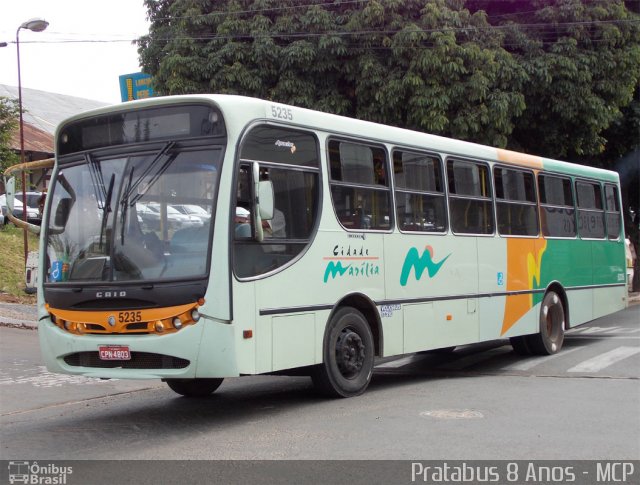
(479, 402)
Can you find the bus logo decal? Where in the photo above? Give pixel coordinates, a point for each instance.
(335, 269)
(413, 260)
(351, 261)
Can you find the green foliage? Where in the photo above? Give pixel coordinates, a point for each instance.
(9, 116)
(551, 77)
(12, 275)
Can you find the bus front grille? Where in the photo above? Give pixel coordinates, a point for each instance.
(139, 360)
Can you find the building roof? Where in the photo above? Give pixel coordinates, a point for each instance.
(35, 140)
(44, 111)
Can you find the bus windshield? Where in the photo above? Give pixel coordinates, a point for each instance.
(112, 217)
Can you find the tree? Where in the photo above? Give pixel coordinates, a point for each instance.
(9, 116)
(582, 58)
(427, 65)
(548, 77)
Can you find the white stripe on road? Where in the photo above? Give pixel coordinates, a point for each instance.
(531, 362)
(605, 360)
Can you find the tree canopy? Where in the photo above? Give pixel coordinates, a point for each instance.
(550, 77)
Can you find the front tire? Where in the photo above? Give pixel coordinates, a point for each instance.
(552, 321)
(194, 387)
(348, 353)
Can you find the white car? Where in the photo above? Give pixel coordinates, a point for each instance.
(33, 214)
(151, 215)
(193, 210)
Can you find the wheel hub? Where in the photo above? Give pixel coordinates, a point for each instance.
(349, 353)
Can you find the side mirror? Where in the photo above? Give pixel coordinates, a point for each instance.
(263, 203)
(10, 187)
(62, 215)
(265, 196)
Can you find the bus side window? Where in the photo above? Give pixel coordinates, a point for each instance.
(557, 211)
(420, 201)
(470, 201)
(590, 210)
(516, 205)
(612, 207)
(360, 185)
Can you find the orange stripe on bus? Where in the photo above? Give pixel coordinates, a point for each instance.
(530, 161)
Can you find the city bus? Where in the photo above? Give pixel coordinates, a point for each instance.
(322, 244)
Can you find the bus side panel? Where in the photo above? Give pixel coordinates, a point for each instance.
(608, 300)
(569, 262)
(294, 342)
(337, 264)
(510, 273)
(609, 269)
(217, 356)
(254, 352)
(441, 268)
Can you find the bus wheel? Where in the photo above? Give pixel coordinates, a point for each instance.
(549, 340)
(194, 387)
(347, 355)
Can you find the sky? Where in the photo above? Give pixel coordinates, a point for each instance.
(86, 70)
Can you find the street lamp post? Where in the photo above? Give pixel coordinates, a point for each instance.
(35, 25)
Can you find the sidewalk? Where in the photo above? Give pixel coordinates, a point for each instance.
(25, 316)
(18, 315)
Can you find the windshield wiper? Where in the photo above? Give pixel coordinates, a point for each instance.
(125, 205)
(131, 188)
(95, 170)
(107, 207)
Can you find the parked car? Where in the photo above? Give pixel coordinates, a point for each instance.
(150, 214)
(33, 214)
(193, 210)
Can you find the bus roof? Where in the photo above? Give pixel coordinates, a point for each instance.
(254, 109)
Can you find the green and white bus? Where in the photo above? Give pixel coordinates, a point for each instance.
(194, 238)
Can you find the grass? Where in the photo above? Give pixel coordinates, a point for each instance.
(12, 277)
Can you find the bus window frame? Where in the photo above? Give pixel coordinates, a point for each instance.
(602, 211)
(444, 193)
(535, 203)
(388, 189)
(491, 197)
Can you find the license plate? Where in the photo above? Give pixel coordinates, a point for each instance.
(114, 352)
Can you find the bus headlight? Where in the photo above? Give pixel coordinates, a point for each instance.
(159, 326)
(177, 323)
(195, 315)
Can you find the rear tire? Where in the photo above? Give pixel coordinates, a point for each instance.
(194, 387)
(552, 320)
(348, 353)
